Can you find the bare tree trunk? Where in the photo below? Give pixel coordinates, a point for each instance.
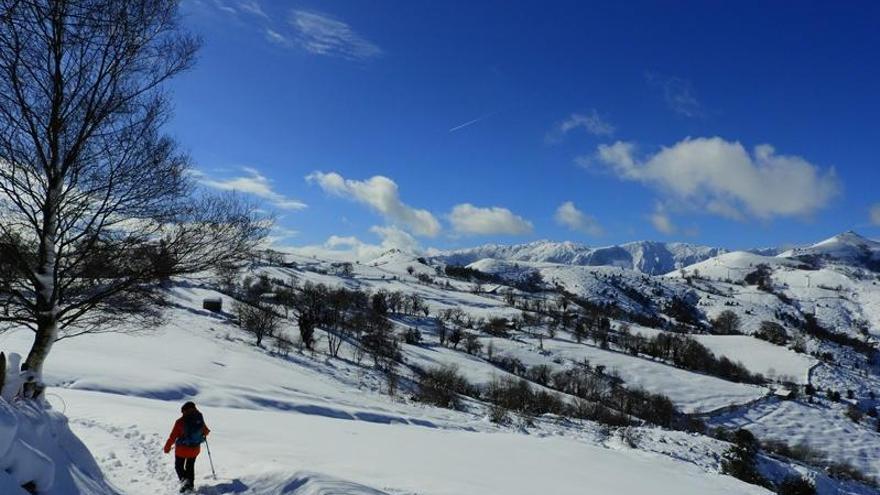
(44, 285)
(45, 337)
(2, 372)
(47, 333)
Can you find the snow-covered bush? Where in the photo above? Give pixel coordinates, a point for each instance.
(631, 437)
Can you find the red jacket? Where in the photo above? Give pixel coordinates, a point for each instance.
(185, 451)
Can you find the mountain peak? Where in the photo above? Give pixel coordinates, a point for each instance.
(849, 238)
(847, 247)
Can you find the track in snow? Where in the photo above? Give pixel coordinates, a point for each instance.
(135, 463)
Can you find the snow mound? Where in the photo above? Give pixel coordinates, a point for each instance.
(38, 450)
(304, 483)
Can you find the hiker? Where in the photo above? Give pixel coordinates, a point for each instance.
(188, 433)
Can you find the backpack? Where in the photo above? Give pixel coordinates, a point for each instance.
(193, 430)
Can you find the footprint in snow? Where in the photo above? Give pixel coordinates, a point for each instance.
(138, 465)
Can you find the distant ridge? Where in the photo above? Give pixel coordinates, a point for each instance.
(650, 257)
(653, 257)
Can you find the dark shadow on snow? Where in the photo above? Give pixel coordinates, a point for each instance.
(234, 486)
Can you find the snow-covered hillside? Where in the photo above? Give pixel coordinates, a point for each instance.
(305, 424)
(609, 371)
(848, 247)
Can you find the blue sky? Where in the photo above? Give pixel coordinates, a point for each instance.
(455, 123)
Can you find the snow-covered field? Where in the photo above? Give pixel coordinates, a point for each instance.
(305, 423)
(691, 392)
(303, 426)
(762, 357)
(825, 429)
(756, 355)
(266, 451)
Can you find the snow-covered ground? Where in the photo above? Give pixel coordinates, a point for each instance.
(266, 451)
(308, 424)
(820, 426)
(302, 425)
(390, 272)
(690, 392)
(756, 355)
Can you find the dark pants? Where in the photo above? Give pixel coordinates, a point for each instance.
(186, 470)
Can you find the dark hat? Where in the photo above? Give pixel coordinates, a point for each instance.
(189, 406)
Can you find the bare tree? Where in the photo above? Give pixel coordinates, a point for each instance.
(258, 318)
(96, 204)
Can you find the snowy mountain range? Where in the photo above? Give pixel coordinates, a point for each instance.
(653, 257)
(650, 257)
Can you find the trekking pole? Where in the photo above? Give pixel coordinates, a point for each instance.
(208, 447)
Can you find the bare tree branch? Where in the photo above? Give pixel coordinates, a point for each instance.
(96, 204)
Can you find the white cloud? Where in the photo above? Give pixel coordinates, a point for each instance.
(569, 216)
(253, 7)
(323, 35)
(224, 7)
(277, 38)
(875, 214)
(336, 242)
(723, 178)
(661, 221)
(352, 248)
(619, 155)
(278, 237)
(253, 183)
(593, 123)
(381, 194)
(469, 219)
(392, 237)
(677, 93)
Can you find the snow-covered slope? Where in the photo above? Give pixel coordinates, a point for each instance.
(303, 425)
(277, 452)
(757, 355)
(848, 247)
(837, 287)
(301, 422)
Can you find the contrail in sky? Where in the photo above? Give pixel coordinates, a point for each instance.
(471, 122)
